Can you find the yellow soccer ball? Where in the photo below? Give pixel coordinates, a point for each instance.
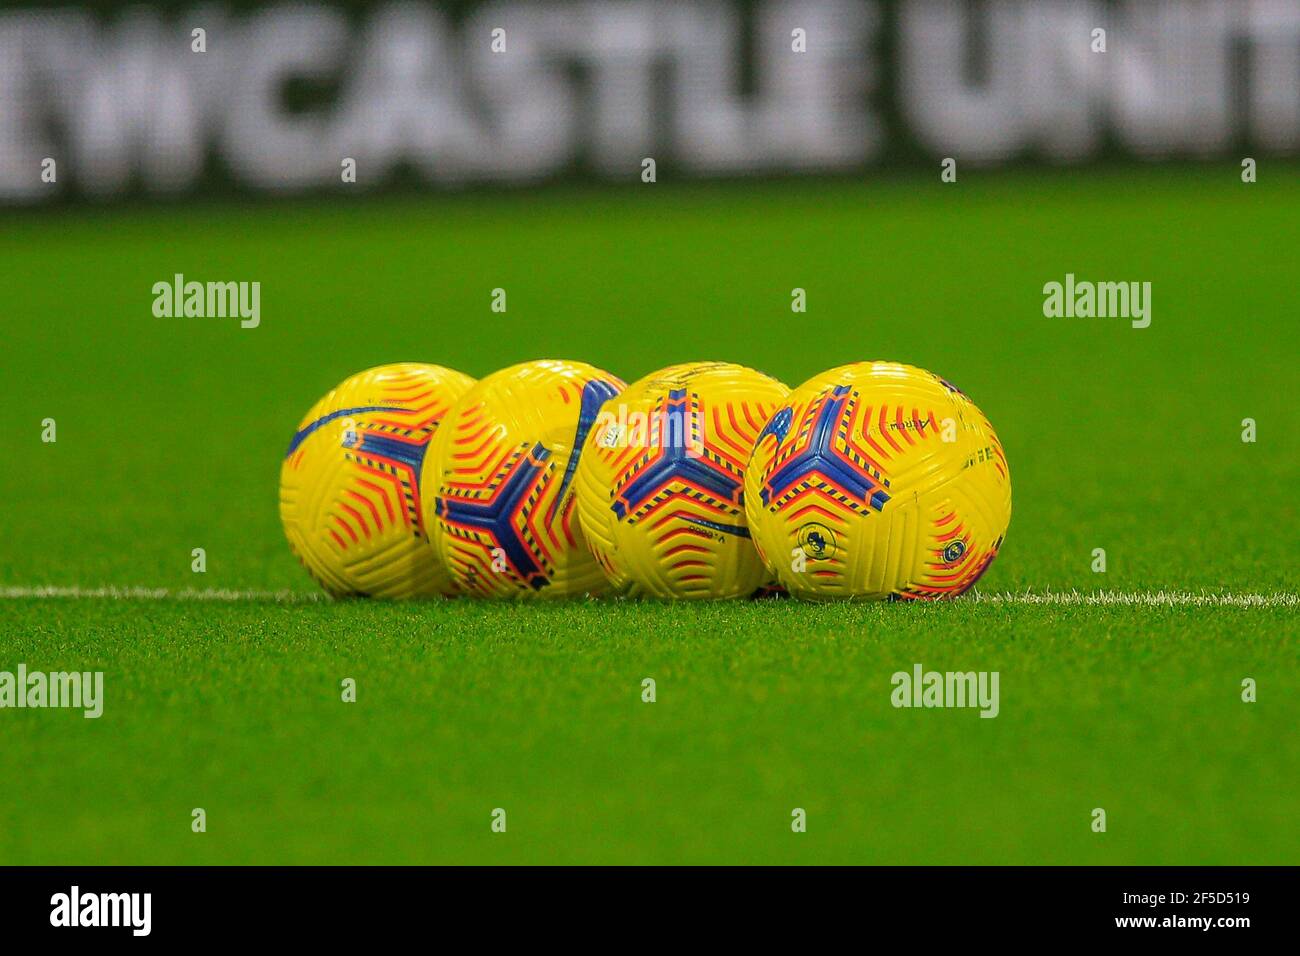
(661, 485)
(350, 482)
(499, 482)
(878, 481)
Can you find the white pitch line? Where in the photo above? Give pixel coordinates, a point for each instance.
(220, 595)
(1051, 598)
(1141, 598)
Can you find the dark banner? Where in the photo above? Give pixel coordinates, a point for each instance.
(112, 100)
(1231, 906)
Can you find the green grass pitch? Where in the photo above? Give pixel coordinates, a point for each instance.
(170, 434)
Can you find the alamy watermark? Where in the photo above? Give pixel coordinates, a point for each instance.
(77, 690)
(75, 908)
(1074, 299)
(922, 688)
(208, 300)
(663, 428)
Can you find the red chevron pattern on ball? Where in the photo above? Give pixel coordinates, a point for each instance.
(350, 482)
(661, 485)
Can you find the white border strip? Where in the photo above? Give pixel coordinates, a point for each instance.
(1052, 598)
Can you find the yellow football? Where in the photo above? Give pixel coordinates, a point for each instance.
(878, 481)
(350, 482)
(661, 483)
(499, 481)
